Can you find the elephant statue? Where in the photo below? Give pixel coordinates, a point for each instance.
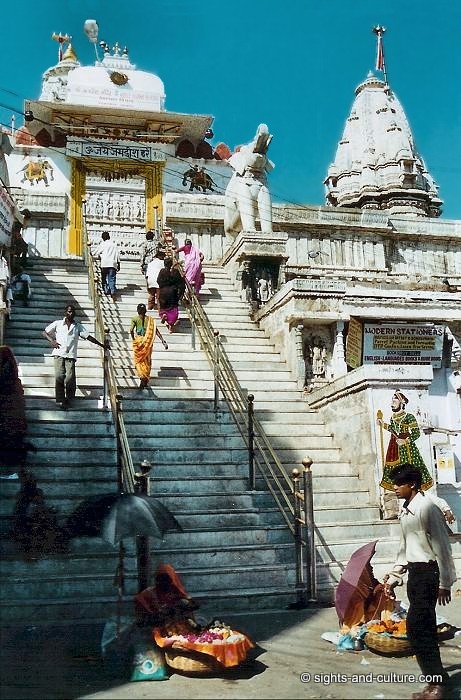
(247, 194)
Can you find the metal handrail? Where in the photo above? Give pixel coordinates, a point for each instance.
(264, 459)
(111, 396)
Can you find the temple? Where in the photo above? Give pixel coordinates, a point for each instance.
(359, 295)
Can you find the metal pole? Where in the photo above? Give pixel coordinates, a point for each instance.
(142, 541)
(300, 592)
(105, 392)
(251, 451)
(216, 370)
(118, 403)
(192, 320)
(311, 573)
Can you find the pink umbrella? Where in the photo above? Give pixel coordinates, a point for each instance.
(357, 599)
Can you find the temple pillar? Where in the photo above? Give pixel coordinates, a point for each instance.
(77, 194)
(339, 362)
(300, 362)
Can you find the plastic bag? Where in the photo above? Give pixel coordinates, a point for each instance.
(148, 662)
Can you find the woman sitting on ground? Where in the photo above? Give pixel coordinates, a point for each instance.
(165, 602)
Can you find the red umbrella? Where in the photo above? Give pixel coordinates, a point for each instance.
(357, 599)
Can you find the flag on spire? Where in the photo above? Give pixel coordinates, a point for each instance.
(380, 54)
(380, 63)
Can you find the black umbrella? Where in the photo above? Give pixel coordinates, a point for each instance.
(116, 516)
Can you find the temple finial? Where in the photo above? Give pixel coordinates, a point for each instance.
(61, 39)
(380, 62)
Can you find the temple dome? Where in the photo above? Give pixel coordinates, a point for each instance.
(113, 82)
(376, 165)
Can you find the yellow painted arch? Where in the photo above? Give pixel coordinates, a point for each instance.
(153, 177)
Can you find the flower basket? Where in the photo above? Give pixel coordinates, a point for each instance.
(387, 644)
(191, 662)
(221, 647)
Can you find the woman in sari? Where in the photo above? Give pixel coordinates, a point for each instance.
(170, 290)
(166, 601)
(192, 264)
(143, 331)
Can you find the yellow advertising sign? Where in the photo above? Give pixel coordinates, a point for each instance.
(411, 343)
(354, 343)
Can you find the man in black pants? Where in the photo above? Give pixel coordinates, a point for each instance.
(63, 336)
(425, 553)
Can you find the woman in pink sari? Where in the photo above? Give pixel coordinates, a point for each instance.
(192, 264)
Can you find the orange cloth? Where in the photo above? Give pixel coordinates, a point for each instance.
(227, 653)
(175, 581)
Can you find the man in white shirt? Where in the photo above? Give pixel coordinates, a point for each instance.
(152, 272)
(425, 553)
(109, 254)
(63, 336)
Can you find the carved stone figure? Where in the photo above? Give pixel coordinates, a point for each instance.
(264, 290)
(99, 208)
(105, 208)
(139, 209)
(247, 193)
(126, 209)
(318, 357)
(90, 206)
(315, 359)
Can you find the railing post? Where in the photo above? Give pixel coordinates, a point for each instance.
(311, 572)
(105, 390)
(251, 451)
(118, 404)
(216, 369)
(192, 321)
(300, 590)
(142, 541)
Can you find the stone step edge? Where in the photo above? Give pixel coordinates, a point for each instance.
(111, 600)
(206, 571)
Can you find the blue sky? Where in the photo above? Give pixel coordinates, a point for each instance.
(293, 65)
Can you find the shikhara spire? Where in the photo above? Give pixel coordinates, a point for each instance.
(377, 165)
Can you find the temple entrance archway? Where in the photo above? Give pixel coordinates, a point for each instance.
(122, 197)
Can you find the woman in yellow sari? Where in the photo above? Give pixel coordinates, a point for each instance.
(143, 330)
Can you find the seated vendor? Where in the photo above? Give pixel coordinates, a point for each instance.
(167, 601)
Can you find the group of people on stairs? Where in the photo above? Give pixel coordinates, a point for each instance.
(166, 286)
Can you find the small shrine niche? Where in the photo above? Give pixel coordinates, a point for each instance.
(317, 349)
(259, 280)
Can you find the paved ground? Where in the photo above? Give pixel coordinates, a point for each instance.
(47, 666)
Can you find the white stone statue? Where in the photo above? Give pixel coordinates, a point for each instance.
(105, 207)
(247, 193)
(99, 208)
(126, 209)
(264, 290)
(318, 358)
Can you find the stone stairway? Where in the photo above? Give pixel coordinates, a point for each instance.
(234, 551)
(344, 516)
(75, 458)
(200, 462)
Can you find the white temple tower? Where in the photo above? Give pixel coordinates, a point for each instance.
(377, 165)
